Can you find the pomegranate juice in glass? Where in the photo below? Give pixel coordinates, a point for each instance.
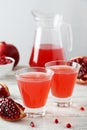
(65, 74)
(34, 85)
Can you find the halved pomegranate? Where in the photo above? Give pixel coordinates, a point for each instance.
(11, 110)
(82, 74)
(4, 91)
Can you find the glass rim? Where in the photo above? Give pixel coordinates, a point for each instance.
(71, 64)
(61, 61)
(34, 69)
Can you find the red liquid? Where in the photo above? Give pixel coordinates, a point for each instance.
(34, 92)
(63, 81)
(46, 52)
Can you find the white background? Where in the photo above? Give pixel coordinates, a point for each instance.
(17, 25)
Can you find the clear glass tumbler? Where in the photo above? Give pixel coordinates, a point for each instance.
(34, 84)
(65, 74)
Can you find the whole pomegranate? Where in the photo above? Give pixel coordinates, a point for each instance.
(9, 50)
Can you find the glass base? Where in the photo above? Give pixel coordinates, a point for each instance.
(62, 102)
(36, 112)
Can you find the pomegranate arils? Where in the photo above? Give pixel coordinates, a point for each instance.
(56, 121)
(68, 125)
(8, 61)
(82, 74)
(32, 124)
(82, 108)
(4, 60)
(20, 106)
(10, 110)
(85, 60)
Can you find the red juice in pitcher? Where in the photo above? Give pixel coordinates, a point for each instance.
(45, 53)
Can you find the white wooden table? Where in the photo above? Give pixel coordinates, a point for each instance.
(72, 115)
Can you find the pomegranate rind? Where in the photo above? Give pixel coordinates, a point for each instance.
(6, 92)
(76, 59)
(80, 81)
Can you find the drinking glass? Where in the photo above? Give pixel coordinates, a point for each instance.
(65, 74)
(34, 84)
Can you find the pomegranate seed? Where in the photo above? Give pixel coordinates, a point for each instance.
(56, 121)
(4, 60)
(82, 108)
(32, 124)
(68, 125)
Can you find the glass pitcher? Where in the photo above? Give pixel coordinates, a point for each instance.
(48, 45)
